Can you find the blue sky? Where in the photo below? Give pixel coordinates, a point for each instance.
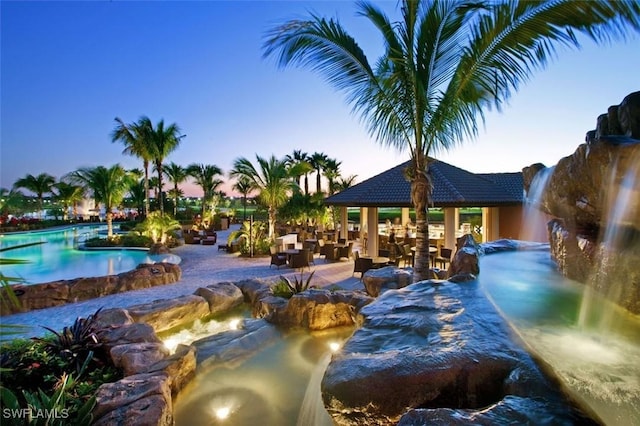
(69, 68)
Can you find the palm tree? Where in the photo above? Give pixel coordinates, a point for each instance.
(273, 179)
(444, 63)
(343, 183)
(163, 141)
(11, 201)
(243, 186)
(205, 176)
(331, 172)
(176, 175)
(69, 195)
(318, 161)
(136, 140)
(299, 157)
(39, 185)
(108, 186)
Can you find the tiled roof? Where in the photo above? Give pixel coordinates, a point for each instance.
(452, 187)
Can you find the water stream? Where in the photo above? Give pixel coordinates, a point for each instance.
(534, 220)
(278, 385)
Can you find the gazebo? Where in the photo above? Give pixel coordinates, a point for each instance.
(500, 195)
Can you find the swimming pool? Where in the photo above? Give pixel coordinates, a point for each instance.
(58, 258)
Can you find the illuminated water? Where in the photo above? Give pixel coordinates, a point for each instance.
(599, 369)
(58, 258)
(278, 385)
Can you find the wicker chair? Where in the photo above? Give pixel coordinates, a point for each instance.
(361, 264)
(300, 260)
(444, 258)
(277, 259)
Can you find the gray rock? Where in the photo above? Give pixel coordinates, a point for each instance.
(166, 314)
(378, 280)
(221, 297)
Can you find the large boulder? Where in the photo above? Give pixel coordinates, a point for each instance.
(465, 265)
(435, 345)
(221, 297)
(134, 358)
(320, 309)
(166, 314)
(378, 280)
(142, 399)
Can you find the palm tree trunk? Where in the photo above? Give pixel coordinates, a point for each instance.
(159, 168)
(272, 222)
(109, 217)
(318, 183)
(175, 201)
(146, 188)
(420, 195)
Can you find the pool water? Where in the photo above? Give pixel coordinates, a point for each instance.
(58, 257)
(598, 368)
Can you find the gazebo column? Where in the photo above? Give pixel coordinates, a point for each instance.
(405, 216)
(372, 231)
(363, 224)
(450, 227)
(344, 223)
(456, 224)
(490, 224)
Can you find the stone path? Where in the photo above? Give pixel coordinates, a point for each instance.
(201, 266)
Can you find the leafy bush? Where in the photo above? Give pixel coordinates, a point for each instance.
(129, 240)
(281, 289)
(59, 372)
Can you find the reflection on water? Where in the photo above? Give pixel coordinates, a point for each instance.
(58, 259)
(600, 370)
(277, 386)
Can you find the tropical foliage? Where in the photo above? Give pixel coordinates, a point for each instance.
(274, 180)
(39, 185)
(107, 186)
(253, 238)
(159, 227)
(443, 64)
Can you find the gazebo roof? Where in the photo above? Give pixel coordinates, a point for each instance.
(452, 187)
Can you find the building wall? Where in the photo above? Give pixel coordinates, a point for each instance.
(511, 222)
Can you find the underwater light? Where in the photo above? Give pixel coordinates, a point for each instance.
(223, 413)
(334, 346)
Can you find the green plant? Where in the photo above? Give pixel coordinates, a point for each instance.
(281, 289)
(298, 286)
(251, 234)
(44, 409)
(75, 343)
(158, 227)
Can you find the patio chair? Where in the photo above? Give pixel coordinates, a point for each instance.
(445, 257)
(346, 251)
(300, 260)
(407, 255)
(361, 264)
(277, 259)
(330, 252)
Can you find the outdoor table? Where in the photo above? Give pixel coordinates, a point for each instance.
(378, 260)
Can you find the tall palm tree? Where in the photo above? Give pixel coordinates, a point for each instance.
(318, 161)
(444, 63)
(272, 178)
(163, 141)
(302, 158)
(244, 186)
(137, 142)
(108, 186)
(206, 177)
(11, 201)
(176, 175)
(39, 185)
(331, 172)
(343, 183)
(69, 195)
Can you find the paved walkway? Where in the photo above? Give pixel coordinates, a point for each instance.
(201, 266)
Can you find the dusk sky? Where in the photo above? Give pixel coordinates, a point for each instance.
(69, 68)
